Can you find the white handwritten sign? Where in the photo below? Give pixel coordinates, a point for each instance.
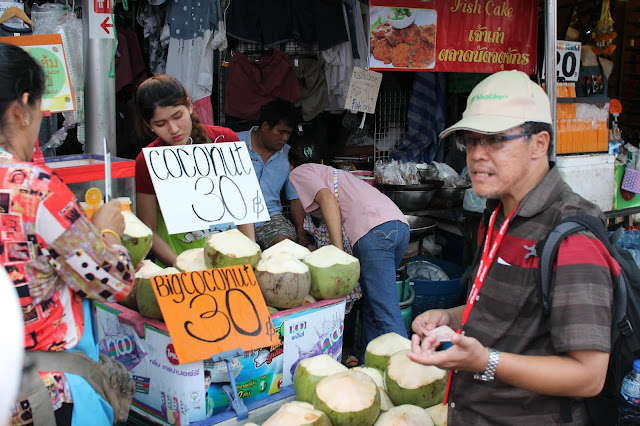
(205, 184)
(363, 91)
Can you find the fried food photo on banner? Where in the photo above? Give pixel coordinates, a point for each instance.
(410, 47)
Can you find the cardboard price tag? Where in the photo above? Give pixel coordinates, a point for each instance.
(214, 311)
(362, 94)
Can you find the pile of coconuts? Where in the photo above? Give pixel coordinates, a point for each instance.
(289, 275)
(389, 390)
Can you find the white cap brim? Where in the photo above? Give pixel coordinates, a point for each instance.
(483, 124)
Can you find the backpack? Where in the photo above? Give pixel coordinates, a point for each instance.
(625, 311)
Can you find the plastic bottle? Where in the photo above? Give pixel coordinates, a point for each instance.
(629, 408)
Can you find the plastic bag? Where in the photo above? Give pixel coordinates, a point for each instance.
(423, 270)
(396, 173)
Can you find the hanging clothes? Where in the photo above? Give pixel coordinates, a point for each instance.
(190, 57)
(251, 85)
(319, 21)
(152, 18)
(313, 83)
(341, 59)
(129, 65)
(260, 21)
(426, 118)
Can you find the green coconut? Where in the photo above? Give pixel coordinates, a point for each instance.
(284, 281)
(348, 398)
(230, 248)
(334, 273)
(190, 260)
(438, 413)
(137, 237)
(380, 349)
(310, 371)
(405, 415)
(408, 382)
(286, 248)
(297, 413)
(146, 268)
(146, 298)
(385, 402)
(272, 310)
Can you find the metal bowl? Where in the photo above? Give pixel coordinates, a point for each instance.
(411, 200)
(420, 226)
(448, 197)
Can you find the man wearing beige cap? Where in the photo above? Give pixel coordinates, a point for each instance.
(511, 364)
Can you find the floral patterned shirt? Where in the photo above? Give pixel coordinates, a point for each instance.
(55, 257)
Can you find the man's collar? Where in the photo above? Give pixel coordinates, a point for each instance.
(251, 130)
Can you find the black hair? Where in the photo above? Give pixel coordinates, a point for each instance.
(537, 127)
(207, 373)
(303, 151)
(280, 111)
(19, 74)
(163, 90)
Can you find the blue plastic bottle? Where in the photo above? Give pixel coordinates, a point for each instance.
(629, 409)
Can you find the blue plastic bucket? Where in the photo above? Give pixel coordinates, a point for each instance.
(438, 294)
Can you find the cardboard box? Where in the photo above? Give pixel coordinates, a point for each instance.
(174, 393)
(624, 199)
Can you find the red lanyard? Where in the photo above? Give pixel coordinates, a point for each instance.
(488, 255)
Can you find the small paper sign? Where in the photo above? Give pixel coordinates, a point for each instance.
(47, 50)
(363, 91)
(205, 184)
(214, 311)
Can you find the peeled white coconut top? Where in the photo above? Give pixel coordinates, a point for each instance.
(148, 267)
(388, 344)
(350, 391)
(406, 415)
(411, 375)
(280, 265)
(191, 260)
(288, 248)
(134, 227)
(233, 243)
(374, 373)
(166, 271)
(294, 413)
(328, 256)
(322, 365)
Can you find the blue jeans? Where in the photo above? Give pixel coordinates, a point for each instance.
(380, 252)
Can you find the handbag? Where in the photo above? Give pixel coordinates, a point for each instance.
(320, 233)
(107, 377)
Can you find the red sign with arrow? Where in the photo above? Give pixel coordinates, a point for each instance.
(105, 25)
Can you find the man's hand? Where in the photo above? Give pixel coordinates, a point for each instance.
(429, 320)
(466, 353)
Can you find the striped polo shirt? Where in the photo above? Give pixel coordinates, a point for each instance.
(508, 317)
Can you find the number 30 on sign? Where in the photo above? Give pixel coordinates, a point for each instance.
(213, 311)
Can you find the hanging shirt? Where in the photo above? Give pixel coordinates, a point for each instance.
(190, 57)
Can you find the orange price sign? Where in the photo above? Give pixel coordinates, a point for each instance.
(214, 311)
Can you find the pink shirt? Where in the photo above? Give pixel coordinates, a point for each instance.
(362, 206)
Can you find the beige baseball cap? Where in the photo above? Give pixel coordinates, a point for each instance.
(502, 101)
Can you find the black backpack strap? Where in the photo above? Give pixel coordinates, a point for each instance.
(549, 251)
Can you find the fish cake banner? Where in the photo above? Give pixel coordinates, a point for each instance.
(480, 36)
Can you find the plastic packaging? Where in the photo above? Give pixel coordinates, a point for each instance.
(396, 173)
(629, 408)
(423, 270)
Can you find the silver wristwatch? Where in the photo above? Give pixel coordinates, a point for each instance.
(490, 372)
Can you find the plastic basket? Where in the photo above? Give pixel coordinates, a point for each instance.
(437, 294)
(631, 181)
